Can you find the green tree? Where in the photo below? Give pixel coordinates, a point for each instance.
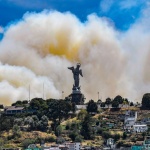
(20, 103)
(17, 103)
(82, 114)
(78, 138)
(1, 106)
(6, 123)
(58, 130)
(92, 107)
(102, 104)
(58, 109)
(146, 101)
(60, 140)
(131, 104)
(16, 131)
(144, 134)
(124, 135)
(39, 106)
(99, 101)
(2, 141)
(73, 135)
(118, 99)
(18, 121)
(106, 134)
(116, 137)
(108, 101)
(86, 129)
(32, 122)
(115, 104)
(43, 123)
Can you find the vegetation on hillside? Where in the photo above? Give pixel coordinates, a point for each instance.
(58, 121)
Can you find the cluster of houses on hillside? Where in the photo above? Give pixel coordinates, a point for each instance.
(64, 146)
(132, 125)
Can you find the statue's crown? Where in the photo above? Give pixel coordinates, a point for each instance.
(78, 64)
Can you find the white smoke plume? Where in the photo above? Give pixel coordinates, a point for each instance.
(38, 49)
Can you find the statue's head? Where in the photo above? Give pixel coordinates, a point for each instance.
(78, 65)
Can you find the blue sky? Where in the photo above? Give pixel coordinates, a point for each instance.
(122, 13)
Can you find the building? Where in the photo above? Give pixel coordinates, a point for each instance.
(123, 106)
(140, 128)
(73, 146)
(146, 143)
(80, 107)
(147, 121)
(137, 147)
(53, 147)
(110, 125)
(63, 147)
(110, 143)
(130, 119)
(9, 110)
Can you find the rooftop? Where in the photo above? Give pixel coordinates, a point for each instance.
(13, 108)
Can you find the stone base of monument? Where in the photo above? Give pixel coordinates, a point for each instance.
(77, 97)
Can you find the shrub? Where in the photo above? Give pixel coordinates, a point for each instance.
(60, 140)
(50, 139)
(99, 131)
(58, 130)
(124, 135)
(116, 137)
(27, 142)
(106, 135)
(73, 135)
(78, 138)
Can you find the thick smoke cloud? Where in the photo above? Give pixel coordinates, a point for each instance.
(38, 49)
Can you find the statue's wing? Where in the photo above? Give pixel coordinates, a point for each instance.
(80, 71)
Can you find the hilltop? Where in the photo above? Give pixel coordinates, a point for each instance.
(56, 121)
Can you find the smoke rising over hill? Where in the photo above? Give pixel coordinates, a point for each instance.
(39, 48)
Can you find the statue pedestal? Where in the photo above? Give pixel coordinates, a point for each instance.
(77, 97)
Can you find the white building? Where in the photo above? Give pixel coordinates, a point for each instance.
(73, 146)
(140, 128)
(146, 143)
(110, 143)
(130, 119)
(80, 107)
(54, 148)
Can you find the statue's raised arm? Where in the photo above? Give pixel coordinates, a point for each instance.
(71, 68)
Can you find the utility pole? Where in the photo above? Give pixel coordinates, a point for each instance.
(29, 92)
(43, 90)
(62, 94)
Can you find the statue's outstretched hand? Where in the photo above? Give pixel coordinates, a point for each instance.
(71, 68)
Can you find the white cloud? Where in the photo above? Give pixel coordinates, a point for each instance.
(105, 5)
(36, 4)
(127, 4)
